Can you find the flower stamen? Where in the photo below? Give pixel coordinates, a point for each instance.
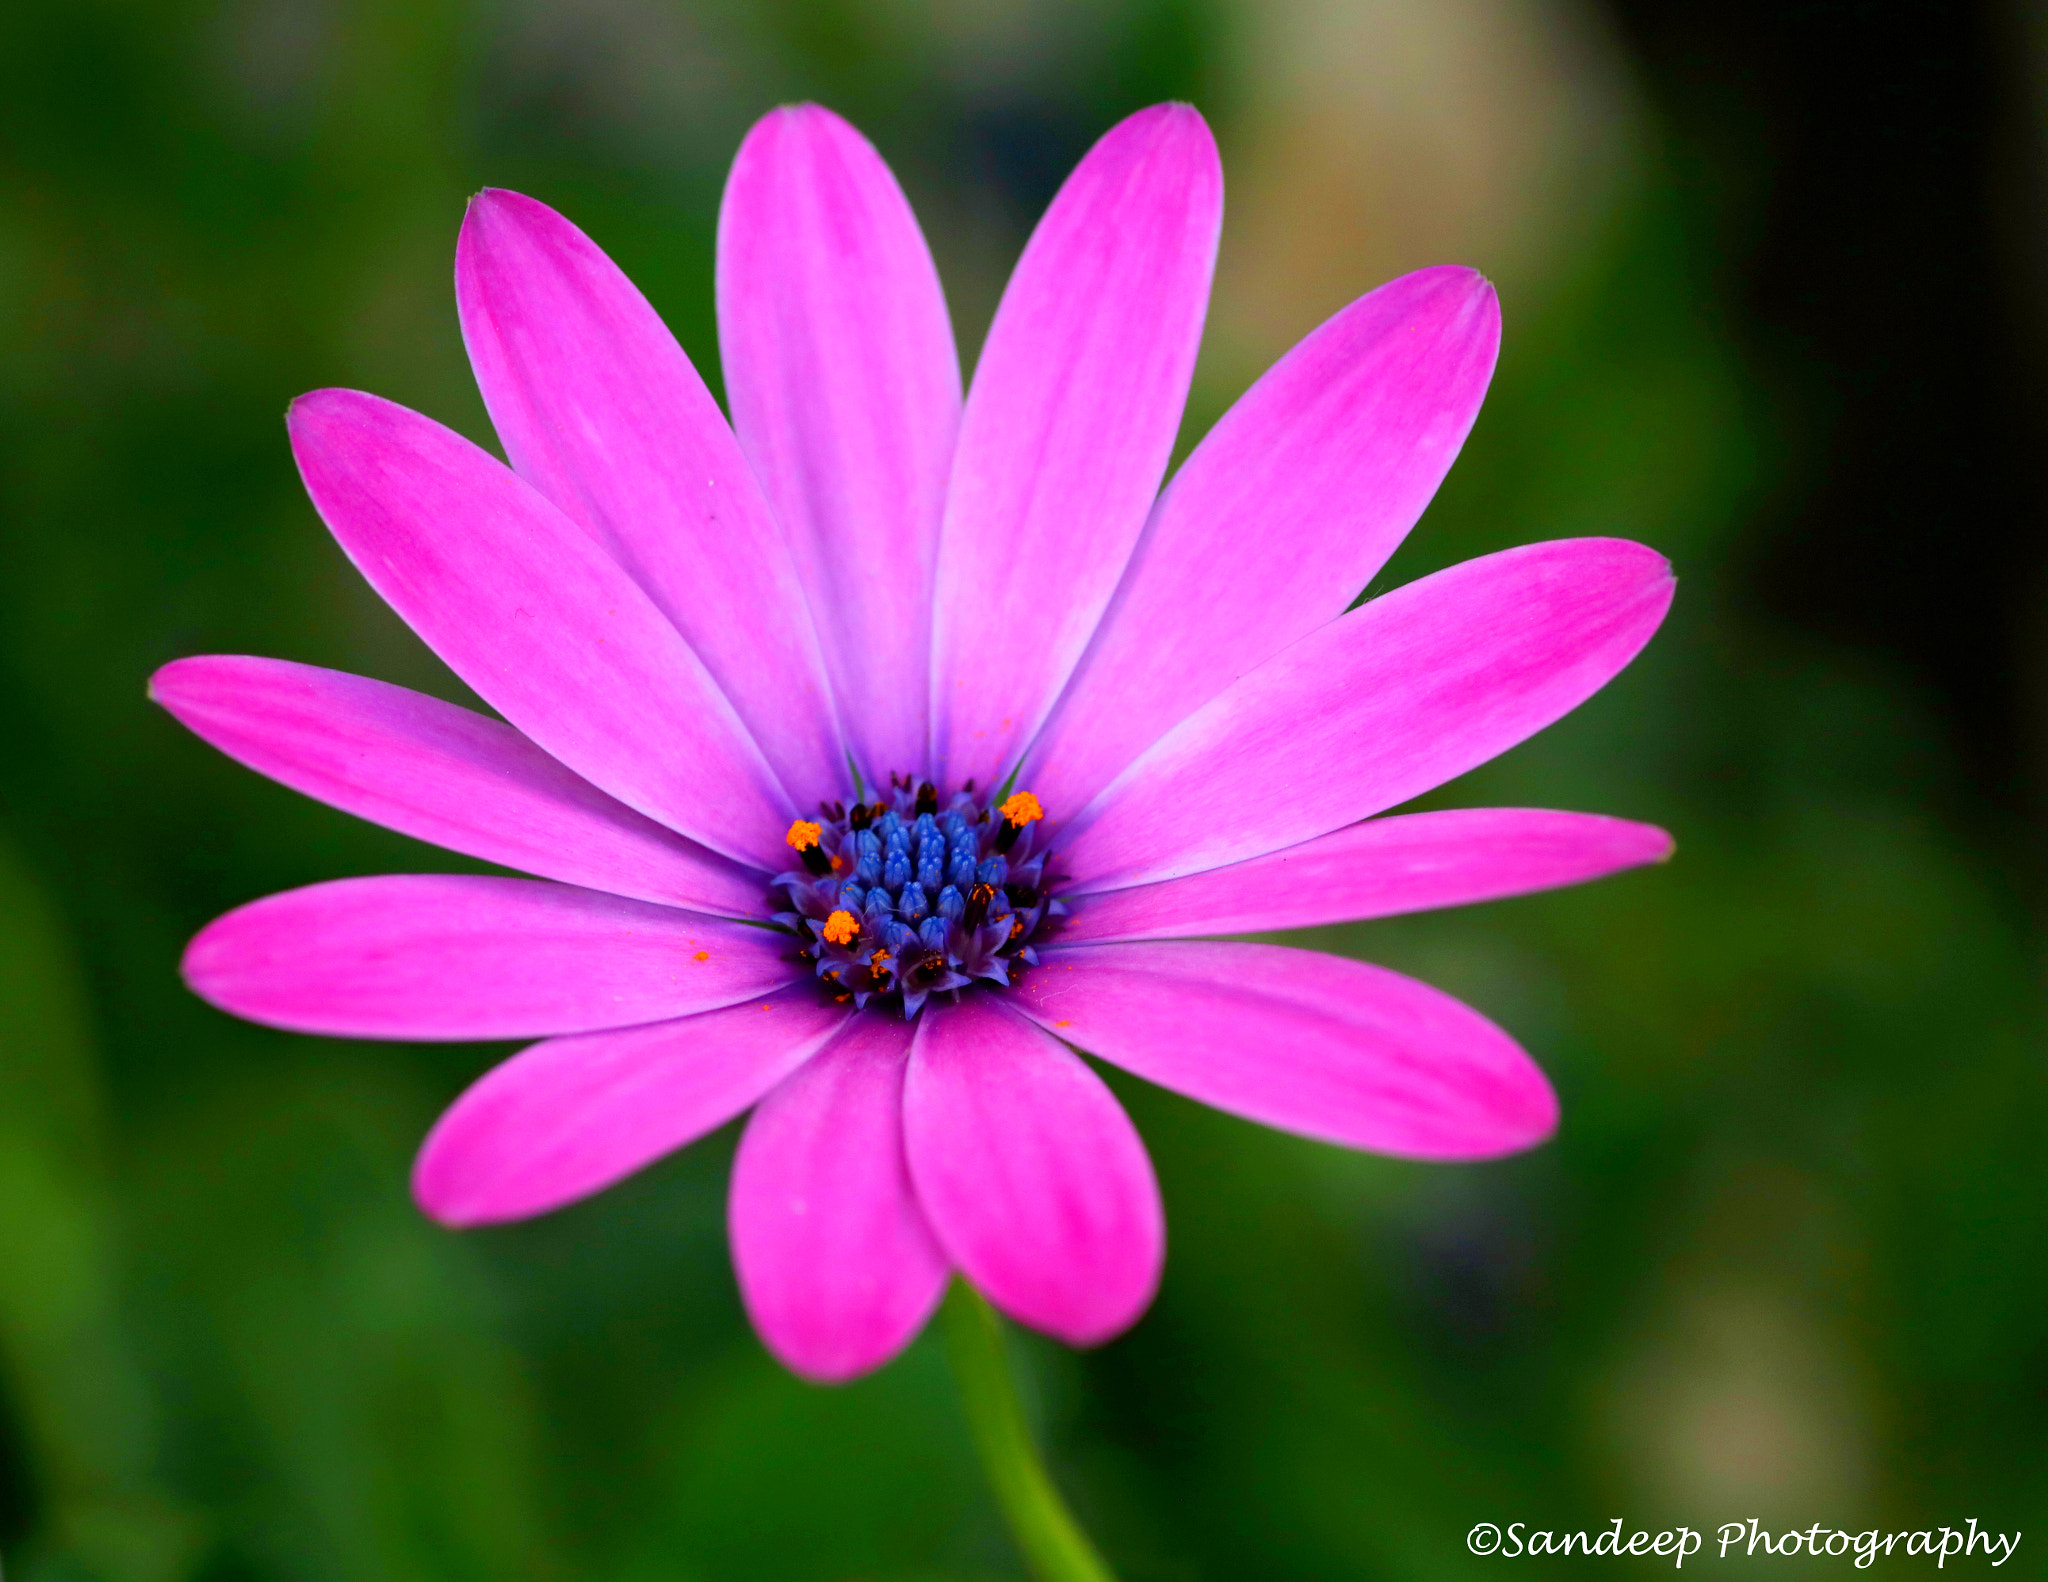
(918, 893)
(803, 836)
(1018, 811)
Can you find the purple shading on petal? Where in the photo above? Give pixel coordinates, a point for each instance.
(1068, 429)
(1031, 1173)
(443, 774)
(569, 1117)
(1379, 706)
(836, 1264)
(526, 608)
(1314, 1044)
(1411, 862)
(434, 956)
(1287, 508)
(845, 393)
(600, 410)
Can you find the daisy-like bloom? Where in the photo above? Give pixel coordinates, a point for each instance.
(877, 748)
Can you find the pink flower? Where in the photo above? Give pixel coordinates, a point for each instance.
(697, 633)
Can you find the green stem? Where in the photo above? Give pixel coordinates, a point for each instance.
(1054, 1546)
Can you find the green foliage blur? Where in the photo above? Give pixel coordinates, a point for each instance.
(1785, 1259)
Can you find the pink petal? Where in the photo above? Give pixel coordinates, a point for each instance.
(1281, 515)
(443, 774)
(564, 1119)
(429, 956)
(525, 607)
(1377, 707)
(600, 410)
(1314, 1044)
(1410, 862)
(835, 1262)
(1068, 427)
(1031, 1173)
(845, 392)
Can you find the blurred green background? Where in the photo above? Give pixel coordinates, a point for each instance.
(1772, 278)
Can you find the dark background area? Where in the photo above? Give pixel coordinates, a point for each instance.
(1773, 279)
(1875, 182)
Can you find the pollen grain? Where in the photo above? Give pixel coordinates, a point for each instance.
(1021, 809)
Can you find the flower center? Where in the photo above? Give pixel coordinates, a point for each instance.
(898, 901)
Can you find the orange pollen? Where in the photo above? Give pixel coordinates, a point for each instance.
(878, 962)
(1021, 809)
(841, 928)
(803, 834)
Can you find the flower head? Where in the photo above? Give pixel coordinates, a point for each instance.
(875, 749)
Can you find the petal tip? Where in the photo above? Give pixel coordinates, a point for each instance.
(436, 1200)
(200, 964)
(832, 1359)
(495, 218)
(447, 1186)
(440, 1190)
(183, 683)
(1098, 1329)
(804, 121)
(489, 202)
(1526, 1116)
(1459, 301)
(498, 221)
(1656, 565)
(809, 113)
(1544, 1116)
(1174, 130)
(331, 406)
(1182, 114)
(829, 1368)
(163, 683)
(1627, 561)
(1480, 293)
(1637, 845)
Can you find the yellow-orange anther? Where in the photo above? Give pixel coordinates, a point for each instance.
(803, 834)
(841, 928)
(1021, 809)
